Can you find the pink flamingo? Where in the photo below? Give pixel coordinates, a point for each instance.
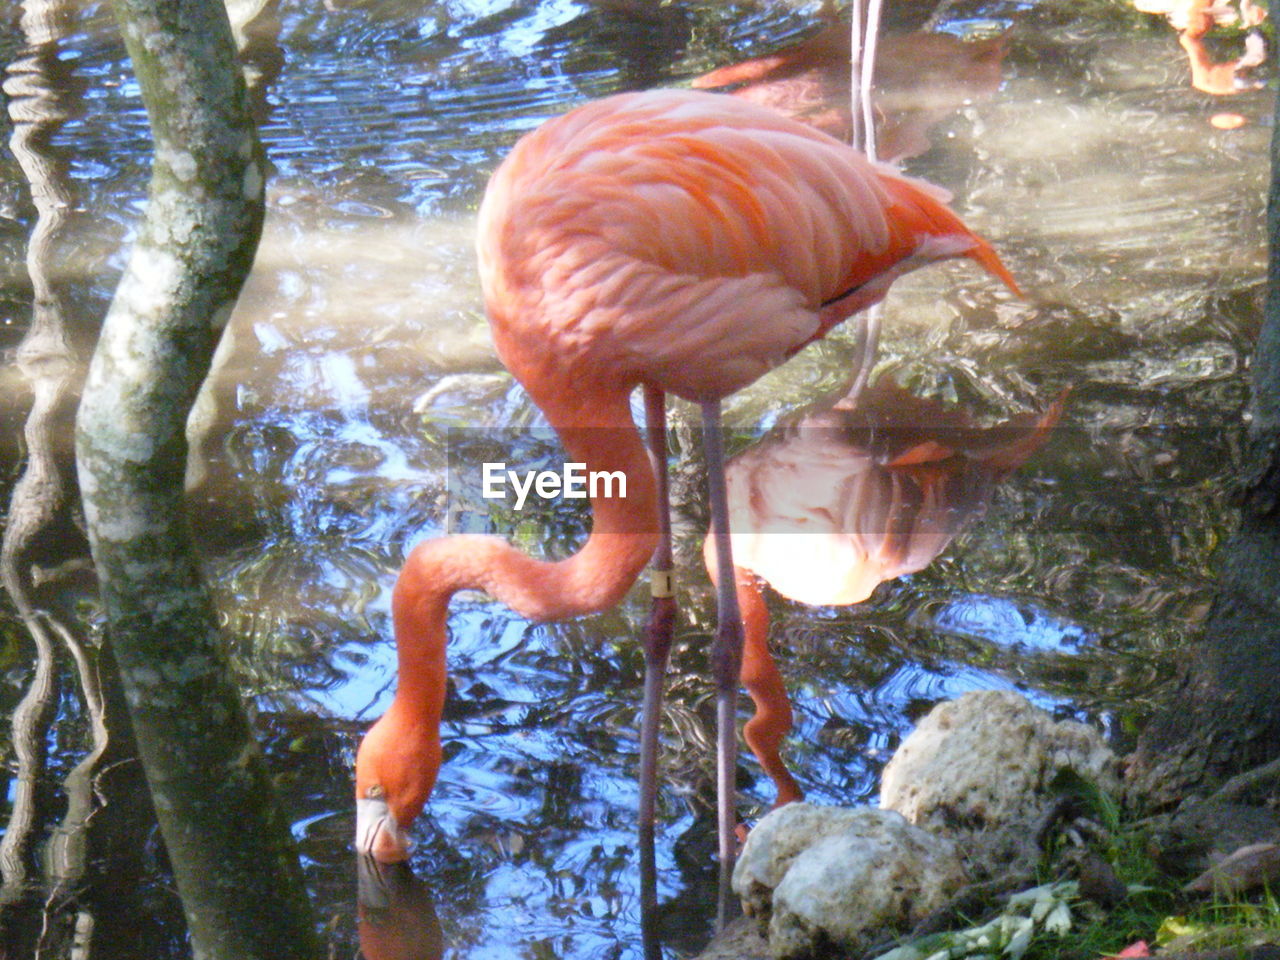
(676, 240)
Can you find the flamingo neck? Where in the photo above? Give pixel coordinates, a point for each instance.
(598, 432)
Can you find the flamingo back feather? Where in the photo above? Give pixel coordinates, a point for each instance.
(694, 241)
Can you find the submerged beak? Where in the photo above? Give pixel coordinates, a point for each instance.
(378, 834)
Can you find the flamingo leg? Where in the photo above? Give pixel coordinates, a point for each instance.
(855, 73)
(869, 39)
(864, 138)
(726, 656)
(868, 345)
(657, 647)
(765, 731)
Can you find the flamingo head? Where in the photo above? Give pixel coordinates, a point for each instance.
(396, 768)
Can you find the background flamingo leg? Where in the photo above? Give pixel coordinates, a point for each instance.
(863, 65)
(726, 656)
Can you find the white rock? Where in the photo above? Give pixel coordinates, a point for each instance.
(832, 876)
(775, 841)
(987, 760)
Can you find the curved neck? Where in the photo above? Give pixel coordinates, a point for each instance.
(597, 430)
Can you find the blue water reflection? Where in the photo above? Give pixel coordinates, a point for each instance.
(1006, 622)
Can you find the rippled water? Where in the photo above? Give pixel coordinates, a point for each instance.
(321, 445)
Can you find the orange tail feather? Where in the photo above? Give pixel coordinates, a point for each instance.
(922, 210)
(986, 257)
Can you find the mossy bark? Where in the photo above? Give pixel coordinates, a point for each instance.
(232, 855)
(1224, 715)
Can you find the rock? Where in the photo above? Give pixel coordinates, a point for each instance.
(775, 842)
(1097, 878)
(824, 878)
(1202, 833)
(987, 760)
(739, 940)
(1257, 865)
(839, 877)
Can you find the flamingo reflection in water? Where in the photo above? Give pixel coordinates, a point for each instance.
(840, 500)
(396, 914)
(920, 79)
(675, 240)
(1193, 19)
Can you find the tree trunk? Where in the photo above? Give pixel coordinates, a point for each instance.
(1224, 716)
(236, 870)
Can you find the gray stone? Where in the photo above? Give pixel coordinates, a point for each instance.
(833, 876)
(987, 760)
(775, 842)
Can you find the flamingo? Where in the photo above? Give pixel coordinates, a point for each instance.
(676, 240)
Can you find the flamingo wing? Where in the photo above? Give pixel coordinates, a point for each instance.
(694, 241)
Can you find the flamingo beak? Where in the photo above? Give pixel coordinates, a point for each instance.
(378, 833)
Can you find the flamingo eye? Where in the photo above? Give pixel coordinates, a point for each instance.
(375, 792)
